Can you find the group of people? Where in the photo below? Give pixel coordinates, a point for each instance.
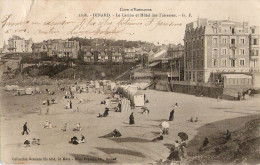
(74, 140)
(34, 142)
(48, 124)
(105, 114)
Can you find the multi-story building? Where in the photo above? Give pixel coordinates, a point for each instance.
(216, 47)
(58, 47)
(254, 49)
(97, 53)
(130, 55)
(19, 45)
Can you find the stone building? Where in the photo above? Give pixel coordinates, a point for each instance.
(57, 47)
(214, 47)
(19, 45)
(98, 53)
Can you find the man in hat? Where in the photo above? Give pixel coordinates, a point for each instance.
(25, 129)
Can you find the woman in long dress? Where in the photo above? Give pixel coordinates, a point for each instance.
(131, 119)
(171, 115)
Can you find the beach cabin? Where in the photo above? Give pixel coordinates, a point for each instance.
(139, 99)
(29, 91)
(21, 92)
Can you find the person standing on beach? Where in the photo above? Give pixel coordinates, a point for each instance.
(70, 104)
(65, 126)
(131, 119)
(25, 129)
(171, 115)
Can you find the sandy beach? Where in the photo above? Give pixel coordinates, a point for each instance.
(135, 145)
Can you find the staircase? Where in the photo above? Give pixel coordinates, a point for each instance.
(128, 72)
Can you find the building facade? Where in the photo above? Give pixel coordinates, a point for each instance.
(254, 49)
(98, 53)
(57, 47)
(130, 55)
(212, 48)
(19, 45)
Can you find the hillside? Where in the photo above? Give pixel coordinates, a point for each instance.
(94, 72)
(243, 145)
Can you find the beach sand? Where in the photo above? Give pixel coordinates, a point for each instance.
(135, 146)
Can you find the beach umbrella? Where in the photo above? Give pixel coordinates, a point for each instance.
(183, 136)
(165, 125)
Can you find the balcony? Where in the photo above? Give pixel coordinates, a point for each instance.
(254, 57)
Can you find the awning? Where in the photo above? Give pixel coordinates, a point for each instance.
(139, 74)
(154, 64)
(236, 76)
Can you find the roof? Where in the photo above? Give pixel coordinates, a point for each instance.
(138, 93)
(154, 63)
(236, 76)
(139, 74)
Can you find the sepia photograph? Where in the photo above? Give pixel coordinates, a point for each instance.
(170, 82)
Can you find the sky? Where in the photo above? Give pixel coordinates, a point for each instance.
(41, 11)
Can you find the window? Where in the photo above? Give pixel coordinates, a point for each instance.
(224, 51)
(242, 51)
(233, 41)
(253, 31)
(233, 52)
(224, 62)
(233, 31)
(242, 41)
(214, 63)
(255, 41)
(242, 62)
(233, 63)
(224, 40)
(256, 52)
(215, 41)
(194, 64)
(214, 53)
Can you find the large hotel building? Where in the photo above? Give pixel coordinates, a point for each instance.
(214, 47)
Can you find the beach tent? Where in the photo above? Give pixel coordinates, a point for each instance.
(138, 99)
(112, 85)
(90, 90)
(131, 92)
(29, 91)
(73, 88)
(125, 105)
(21, 91)
(11, 87)
(97, 85)
(37, 89)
